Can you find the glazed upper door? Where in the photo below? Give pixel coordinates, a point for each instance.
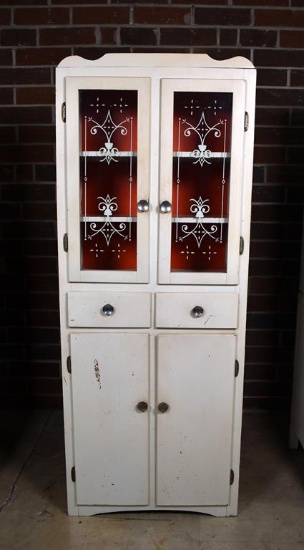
(107, 142)
(202, 128)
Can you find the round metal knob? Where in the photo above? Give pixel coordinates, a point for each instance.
(107, 310)
(143, 206)
(163, 407)
(165, 207)
(142, 406)
(197, 311)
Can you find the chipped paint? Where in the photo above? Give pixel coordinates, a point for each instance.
(97, 373)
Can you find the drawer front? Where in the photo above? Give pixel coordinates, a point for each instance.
(196, 310)
(109, 309)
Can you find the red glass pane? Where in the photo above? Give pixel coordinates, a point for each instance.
(118, 254)
(192, 249)
(200, 181)
(108, 179)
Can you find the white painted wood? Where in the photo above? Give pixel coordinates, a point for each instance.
(94, 417)
(194, 438)
(73, 152)
(89, 309)
(109, 379)
(237, 88)
(175, 310)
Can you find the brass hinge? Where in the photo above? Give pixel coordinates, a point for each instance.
(231, 477)
(73, 474)
(65, 242)
(69, 364)
(246, 121)
(242, 244)
(236, 368)
(63, 112)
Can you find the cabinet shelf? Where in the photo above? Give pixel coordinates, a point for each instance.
(181, 219)
(190, 154)
(112, 219)
(97, 154)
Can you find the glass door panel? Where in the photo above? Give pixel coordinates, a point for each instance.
(198, 180)
(112, 165)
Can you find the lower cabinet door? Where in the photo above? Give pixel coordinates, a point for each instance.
(194, 418)
(109, 380)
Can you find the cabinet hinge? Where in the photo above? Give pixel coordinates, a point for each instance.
(236, 368)
(246, 121)
(65, 242)
(69, 364)
(63, 112)
(231, 477)
(73, 474)
(242, 244)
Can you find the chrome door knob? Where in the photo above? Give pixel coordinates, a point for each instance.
(197, 311)
(163, 407)
(107, 310)
(165, 207)
(143, 206)
(142, 406)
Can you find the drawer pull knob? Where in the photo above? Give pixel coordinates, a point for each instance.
(107, 310)
(165, 207)
(197, 311)
(142, 406)
(163, 407)
(143, 206)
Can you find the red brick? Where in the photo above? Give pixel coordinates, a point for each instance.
(278, 58)
(228, 37)
(268, 193)
(187, 37)
(37, 134)
(41, 16)
(109, 35)
(101, 15)
(292, 39)
(5, 16)
(22, 76)
(258, 38)
(6, 96)
(37, 95)
(154, 15)
(279, 18)
(222, 16)
(287, 96)
(269, 155)
(26, 153)
(138, 36)
(41, 56)
(26, 115)
(250, 3)
(6, 57)
(59, 36)
(18, 37)
(272, 117)
(278, 136)
(297, 78)
(272, 77)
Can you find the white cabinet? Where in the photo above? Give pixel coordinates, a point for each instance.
(154, 167)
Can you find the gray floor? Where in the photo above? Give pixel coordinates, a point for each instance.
(33, 509)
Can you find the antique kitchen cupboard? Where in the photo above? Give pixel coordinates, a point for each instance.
(154, 168)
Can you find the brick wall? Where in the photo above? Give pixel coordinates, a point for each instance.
(34, 37)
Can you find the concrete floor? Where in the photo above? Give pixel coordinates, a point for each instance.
(33, 502)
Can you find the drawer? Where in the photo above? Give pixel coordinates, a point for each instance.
(109, 309)
(196, 310)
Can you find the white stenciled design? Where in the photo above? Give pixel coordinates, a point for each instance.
(107, 205)
(199, 230)
(108, 151)
(202, 129)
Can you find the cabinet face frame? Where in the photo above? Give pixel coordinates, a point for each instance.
(73, 145)
(237, 89)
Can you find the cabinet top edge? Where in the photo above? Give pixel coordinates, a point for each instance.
(156, 60)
